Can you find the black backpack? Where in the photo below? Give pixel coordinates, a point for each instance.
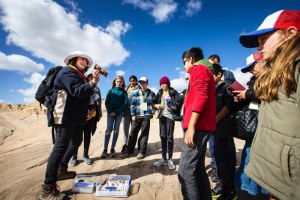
(45, 95)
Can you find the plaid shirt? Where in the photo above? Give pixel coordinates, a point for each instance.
(139, 98)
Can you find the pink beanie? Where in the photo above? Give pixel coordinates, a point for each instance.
(164, 80)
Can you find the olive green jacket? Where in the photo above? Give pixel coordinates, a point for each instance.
(275, 152)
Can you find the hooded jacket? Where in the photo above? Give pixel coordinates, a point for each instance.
(275, 152)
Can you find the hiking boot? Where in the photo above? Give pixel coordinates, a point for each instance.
(124, 149)
(73, 161)
(112, 153)
(228, 196)
(140, 156)
(160, 163)
(63, 175)
(87, 161)
(216, 191)
(50, 192)
(104, 154)
(171, 165)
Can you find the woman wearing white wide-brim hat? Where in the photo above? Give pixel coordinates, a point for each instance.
(71, 95)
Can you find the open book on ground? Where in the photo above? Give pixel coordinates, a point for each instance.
(115, 186)
(84, 184)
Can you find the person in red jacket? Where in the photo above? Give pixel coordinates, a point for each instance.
(199, 121)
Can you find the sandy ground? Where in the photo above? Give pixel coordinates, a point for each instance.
(26, 145)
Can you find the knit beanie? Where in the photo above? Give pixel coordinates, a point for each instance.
(164, 80)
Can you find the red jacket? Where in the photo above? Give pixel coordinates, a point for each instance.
(201, 98)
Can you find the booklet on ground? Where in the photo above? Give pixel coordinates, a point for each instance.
(115, 186)
(84, 184)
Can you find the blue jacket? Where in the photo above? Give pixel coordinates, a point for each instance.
(72, 100)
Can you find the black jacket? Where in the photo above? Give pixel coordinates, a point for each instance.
(226, 126)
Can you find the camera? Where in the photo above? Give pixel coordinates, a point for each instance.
(101, 70)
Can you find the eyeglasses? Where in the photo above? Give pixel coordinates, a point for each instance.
(142, 82)
(187, 59)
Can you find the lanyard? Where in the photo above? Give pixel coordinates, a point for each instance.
(79, 72)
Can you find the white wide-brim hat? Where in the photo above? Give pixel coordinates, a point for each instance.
(79, 54)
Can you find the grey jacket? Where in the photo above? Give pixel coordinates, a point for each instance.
(275, 152)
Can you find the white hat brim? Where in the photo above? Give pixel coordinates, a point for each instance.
(69, 57)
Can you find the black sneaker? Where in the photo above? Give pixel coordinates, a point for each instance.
(104, 154)
(213, 175)
(112, 153)
(124, 149)
(228, 196)
(216, 191)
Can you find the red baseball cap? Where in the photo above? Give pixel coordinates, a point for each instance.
(282, 19)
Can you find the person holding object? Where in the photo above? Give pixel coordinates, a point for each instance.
(166, 122)
(275, 151)
(199, 121)
(115, 102)
(246, 188)
(70, 111)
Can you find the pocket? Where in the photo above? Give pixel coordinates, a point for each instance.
(288, 163)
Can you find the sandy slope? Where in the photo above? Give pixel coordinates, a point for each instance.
(24, 154)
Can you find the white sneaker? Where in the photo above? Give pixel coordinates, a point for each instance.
(171, 164)
(160, 163)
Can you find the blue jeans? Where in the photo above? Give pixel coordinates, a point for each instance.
(126, 124)
(211, 149)
(192, 173)
(113, 123)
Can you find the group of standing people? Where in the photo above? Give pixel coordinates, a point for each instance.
(270, 164)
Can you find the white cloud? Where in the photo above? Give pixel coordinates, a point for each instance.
(180, 83)
(73, 5)
(34, 80)
(154, 89)
(120, 73)
(2, 101)
(48, 31)
(192, 7)
(242, 78)
(161, 10)
(18, 63)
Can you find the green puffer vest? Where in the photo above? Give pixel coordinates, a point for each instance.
(275, 152)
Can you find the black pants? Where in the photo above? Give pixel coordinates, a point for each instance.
(192, 174)
(226, 160)
(88, 127)
(166, 130)
(67, 136)
(142, 124)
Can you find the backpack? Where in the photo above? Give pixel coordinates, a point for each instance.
(46, 87)
(46, 94)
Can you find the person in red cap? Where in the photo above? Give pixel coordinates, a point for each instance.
(166, 122)
(246, 188)
(275, 151)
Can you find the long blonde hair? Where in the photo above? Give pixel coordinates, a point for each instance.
(279, 71)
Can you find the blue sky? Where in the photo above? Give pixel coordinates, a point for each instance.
(145, 38)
